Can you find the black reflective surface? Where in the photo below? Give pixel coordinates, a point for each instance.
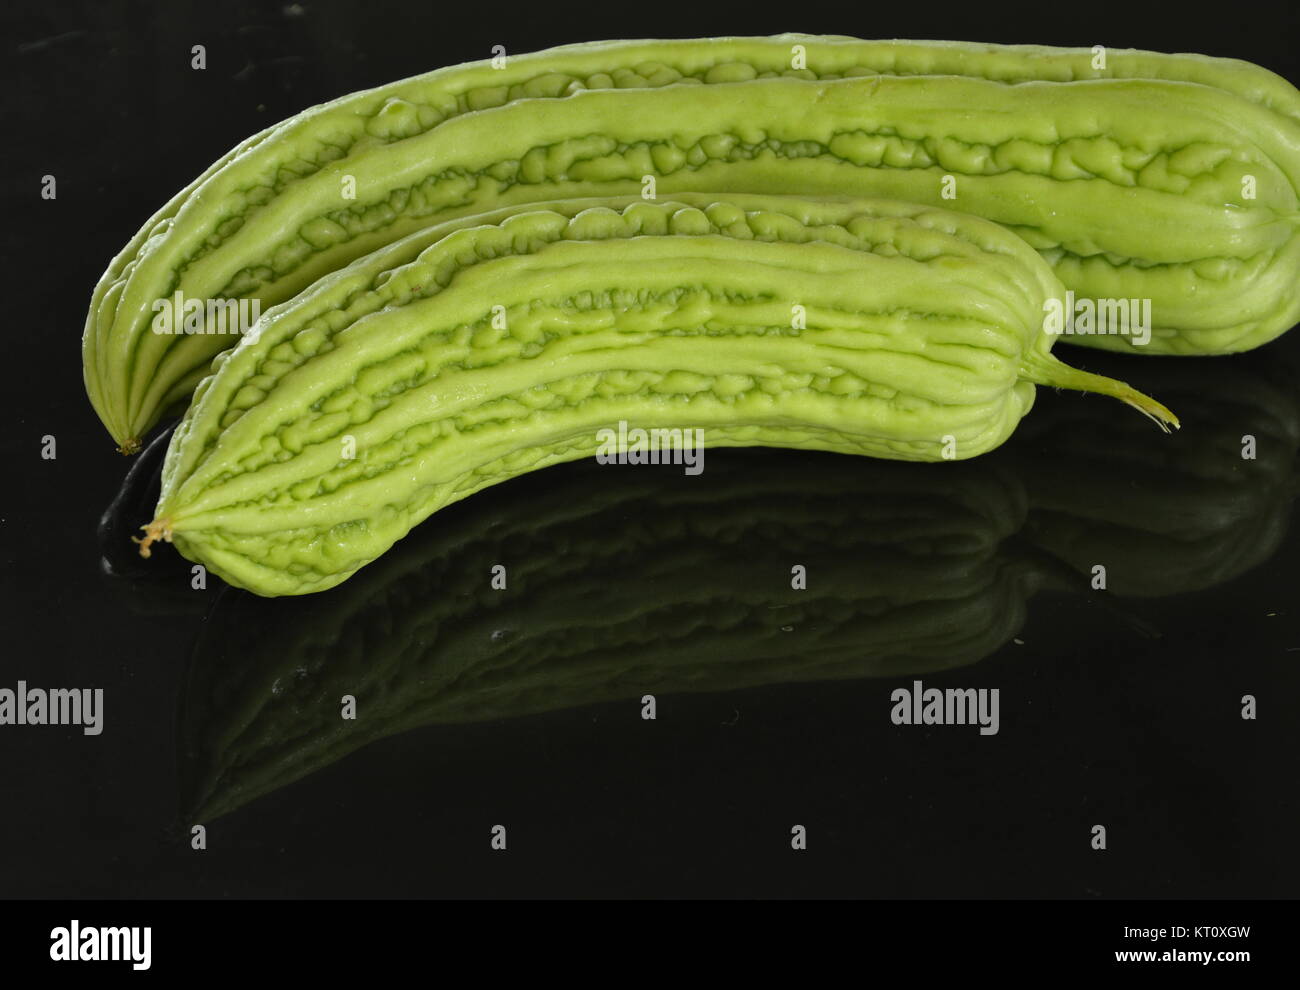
(522, 707)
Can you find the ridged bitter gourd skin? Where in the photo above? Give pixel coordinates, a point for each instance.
(1130, 179)
(474, 352)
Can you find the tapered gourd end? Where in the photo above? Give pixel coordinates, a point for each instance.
(126, 434)
(1043, 369)
(159, 529)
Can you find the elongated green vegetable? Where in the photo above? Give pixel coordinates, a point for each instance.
(1188, 516)
(1169, 178)
(510, 342)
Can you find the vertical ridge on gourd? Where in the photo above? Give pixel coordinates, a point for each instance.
(496, 345)
(1128, 178)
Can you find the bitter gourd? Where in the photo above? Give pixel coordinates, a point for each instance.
(1098, 491)
(468, 354)
(1169, 178)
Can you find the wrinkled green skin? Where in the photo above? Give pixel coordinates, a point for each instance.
(1127, 179)
(922, 341)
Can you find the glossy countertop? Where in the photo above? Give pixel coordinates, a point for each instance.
(524, 707)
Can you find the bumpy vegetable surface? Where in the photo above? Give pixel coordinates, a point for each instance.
(1164, 177)
(399, 386)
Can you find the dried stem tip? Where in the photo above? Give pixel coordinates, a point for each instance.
(159, 529)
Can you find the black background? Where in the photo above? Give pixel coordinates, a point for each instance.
(1117, 709)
